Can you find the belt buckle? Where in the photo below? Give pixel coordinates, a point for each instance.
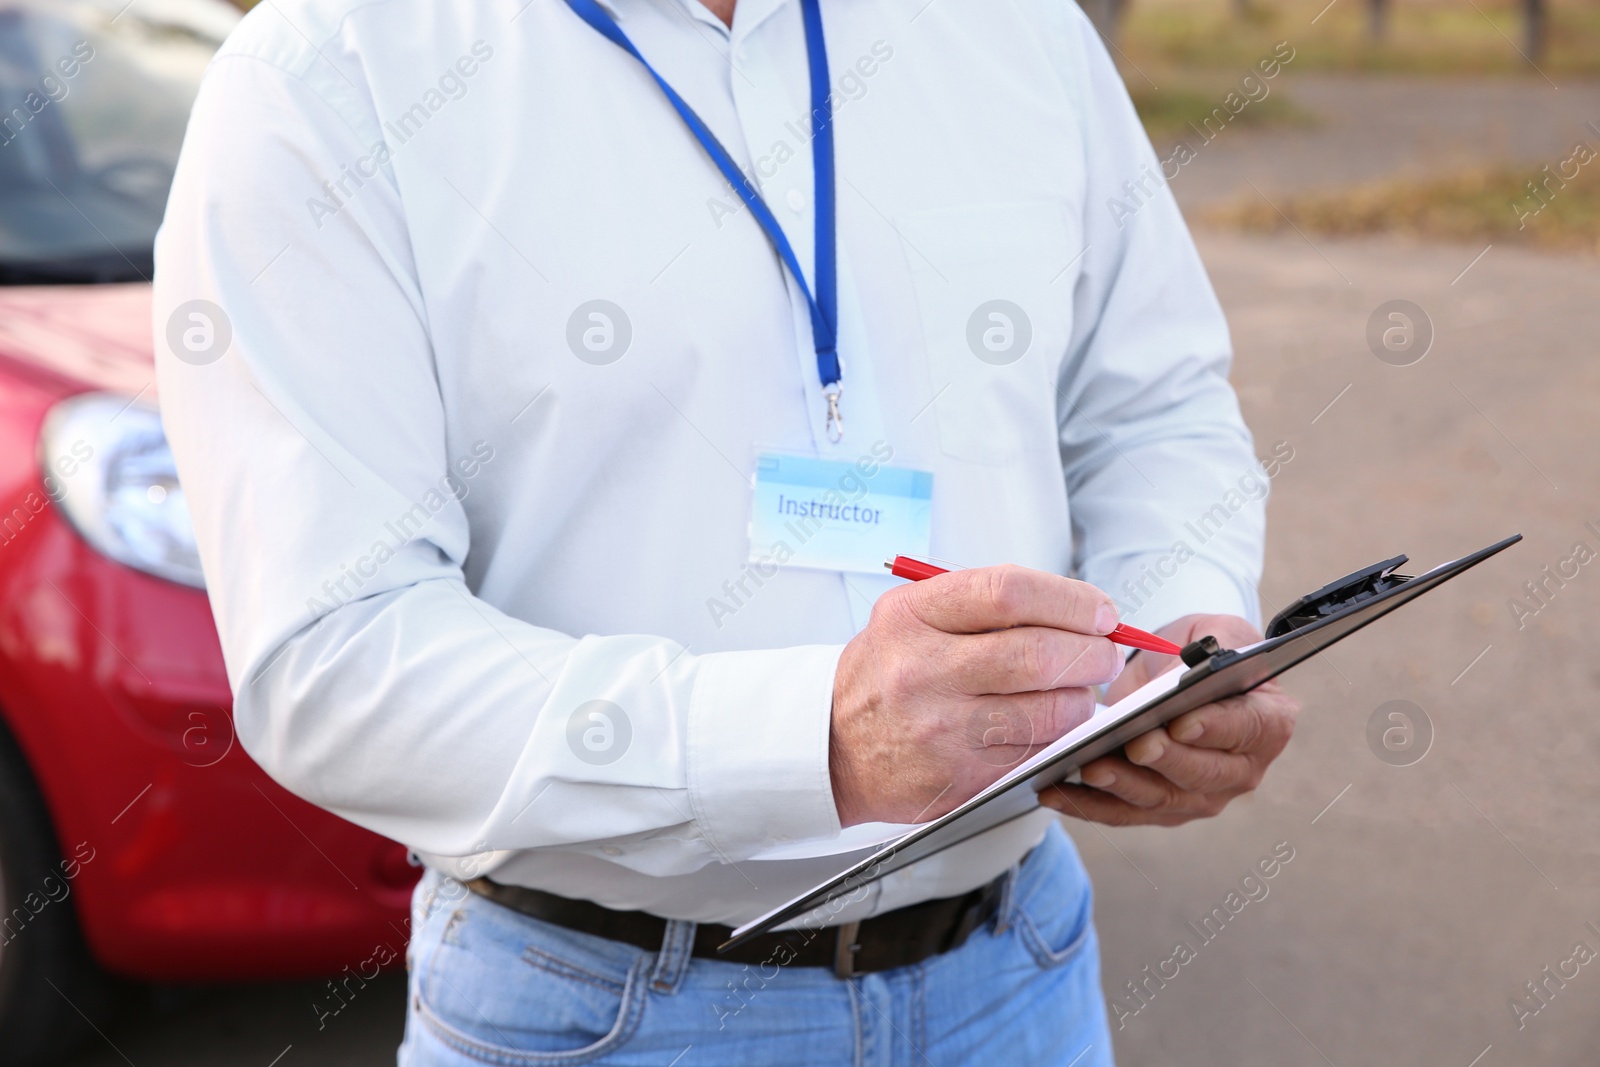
(845, 947)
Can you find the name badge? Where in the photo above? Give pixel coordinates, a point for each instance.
(839, 516)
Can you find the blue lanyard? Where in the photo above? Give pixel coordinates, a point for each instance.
(824, 301)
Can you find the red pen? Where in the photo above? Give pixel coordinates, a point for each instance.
(916, 570)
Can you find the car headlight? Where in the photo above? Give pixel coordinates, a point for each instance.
(107, 466)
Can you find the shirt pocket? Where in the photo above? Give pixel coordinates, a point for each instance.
(994, 294)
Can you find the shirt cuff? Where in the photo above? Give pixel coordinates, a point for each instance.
(758, 748)
(1199, 587)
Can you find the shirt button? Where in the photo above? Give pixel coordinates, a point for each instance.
(796, 201)
(611, 850)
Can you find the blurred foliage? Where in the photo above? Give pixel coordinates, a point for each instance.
(1481, 205)
(1422, 37)
(1168, 109)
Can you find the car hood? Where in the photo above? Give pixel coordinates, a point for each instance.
(93, 336)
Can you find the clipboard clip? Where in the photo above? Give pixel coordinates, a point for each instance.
(1353, 588)
(1332, 598)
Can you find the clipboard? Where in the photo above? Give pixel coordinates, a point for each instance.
(1306, 627)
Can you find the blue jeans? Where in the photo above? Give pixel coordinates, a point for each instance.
(489, 985)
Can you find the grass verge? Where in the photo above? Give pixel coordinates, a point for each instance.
(1480, 205)
(1167, 111)
(1423, 36)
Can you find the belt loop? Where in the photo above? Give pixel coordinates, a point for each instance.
(677, 946)
(1002, 914)
(422, 902)
(846, 943)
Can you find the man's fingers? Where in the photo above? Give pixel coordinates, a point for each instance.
(1195, 770)
(1261, 720)
(1031, 658)
(1092, 805)
(994, 598)
(1135, 785)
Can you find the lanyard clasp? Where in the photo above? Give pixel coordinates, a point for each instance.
(835, 424)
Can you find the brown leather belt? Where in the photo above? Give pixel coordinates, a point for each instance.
(897, 938)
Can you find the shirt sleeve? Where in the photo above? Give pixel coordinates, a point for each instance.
(1168, 499)
(368, 677)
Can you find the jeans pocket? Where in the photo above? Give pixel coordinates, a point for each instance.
(504, 989)
(1052, 903)
(1058, 937)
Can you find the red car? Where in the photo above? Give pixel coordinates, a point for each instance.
(136, 837)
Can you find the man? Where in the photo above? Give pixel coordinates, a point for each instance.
(545, 457)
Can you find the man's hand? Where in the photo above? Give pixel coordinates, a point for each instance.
(1196, 763)
(958, 678)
